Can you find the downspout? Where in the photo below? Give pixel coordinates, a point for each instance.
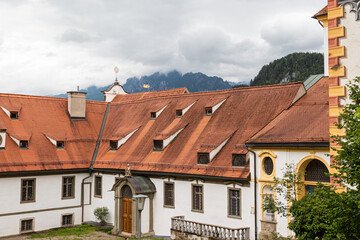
(93, 160)
(255, 191)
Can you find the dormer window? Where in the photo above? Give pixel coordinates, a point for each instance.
(179, 113)
(14, 115)
(208, 111)
(203, 158)
(238, 160)
(153, 115)
(60, 144)
(24, 144)
(113, 145)
(158, 145)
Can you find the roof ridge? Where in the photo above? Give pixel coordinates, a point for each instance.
(224, 91)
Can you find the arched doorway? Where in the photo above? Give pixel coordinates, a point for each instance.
(126, 209)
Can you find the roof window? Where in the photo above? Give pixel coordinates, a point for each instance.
(179, 113)
(208, 111)
(158, 145)
(239, 160)
(14, 115)
(203, 158)
(113, 145)
(153, 115)
(60, 144)
(24, 144)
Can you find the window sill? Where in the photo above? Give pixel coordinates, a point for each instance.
(168, 206)
(235, 217)
(198, 211)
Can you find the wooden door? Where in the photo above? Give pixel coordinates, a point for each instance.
(126, 216)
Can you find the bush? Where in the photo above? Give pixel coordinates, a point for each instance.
(101, 214)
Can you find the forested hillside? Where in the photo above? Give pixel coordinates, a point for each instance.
(291, 68)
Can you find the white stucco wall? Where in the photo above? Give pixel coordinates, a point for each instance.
(284, 156)
(48, 196)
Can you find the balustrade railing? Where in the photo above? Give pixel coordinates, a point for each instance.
(208, 230)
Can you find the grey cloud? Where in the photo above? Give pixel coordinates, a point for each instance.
(74, 35)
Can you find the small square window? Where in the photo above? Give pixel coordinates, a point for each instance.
(14, 115)
(26, 225)
(208, 111)
(60, 144)
(158, 145)
(239, 160)
(67, 220)
(179, 113)
(113, 145)
(24, 144)
(153, 115)
(203, 158)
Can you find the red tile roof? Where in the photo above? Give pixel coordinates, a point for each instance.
(47, 116)
(322, 12)
(245, 112)
(142, 95)
(305, 121)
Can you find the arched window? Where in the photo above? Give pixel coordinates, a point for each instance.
(126, 192)
(316, 171)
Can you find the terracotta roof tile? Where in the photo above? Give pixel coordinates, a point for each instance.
(322, 12)
(245, 111)
(305, 121)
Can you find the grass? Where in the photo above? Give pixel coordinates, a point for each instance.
(82, 230)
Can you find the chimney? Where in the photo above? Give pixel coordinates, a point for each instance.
(77, 104)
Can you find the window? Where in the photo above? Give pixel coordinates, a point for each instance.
(153, 115)
(68, 187)
(169, 194)
(67, 220)
(234, 203)
(238, 160)
(98, 186)
(60, 144)
(179, 113)
(27, 190)
(14, 115)
(268, 166)
(158, 145)
(24, 144)
(208, 111)
(27, 225)
(113, 145)
(203, 158)
(316, 171)
(197, 198)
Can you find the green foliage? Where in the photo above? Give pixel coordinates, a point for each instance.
(285, 189)
(240, 85)
(293, 67)
(101, 213)
(326, 214)
(347, 162)
(75, 231)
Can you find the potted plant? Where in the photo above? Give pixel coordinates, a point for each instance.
(101, 214)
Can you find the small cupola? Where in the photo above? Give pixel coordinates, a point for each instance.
(114, 89)
(77, 105)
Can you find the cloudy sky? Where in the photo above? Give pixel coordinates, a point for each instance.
(51, 46)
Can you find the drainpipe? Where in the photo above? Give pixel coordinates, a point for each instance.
(82, 196)
(255, 191)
